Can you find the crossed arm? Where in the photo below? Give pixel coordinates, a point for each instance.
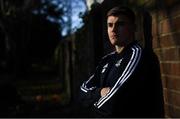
(93, 93)
(104, 91)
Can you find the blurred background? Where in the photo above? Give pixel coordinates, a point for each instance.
(48, 47)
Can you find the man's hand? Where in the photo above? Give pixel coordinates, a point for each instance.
(104, 91)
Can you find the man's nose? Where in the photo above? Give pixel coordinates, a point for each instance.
(114, 28)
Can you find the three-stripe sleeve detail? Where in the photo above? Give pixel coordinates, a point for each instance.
(134, 60)
(84, 85)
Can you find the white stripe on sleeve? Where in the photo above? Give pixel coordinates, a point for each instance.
(84, 85)
(125, 75)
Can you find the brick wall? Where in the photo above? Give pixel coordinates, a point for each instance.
(166, 44)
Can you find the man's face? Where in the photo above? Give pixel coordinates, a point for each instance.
(120, 30)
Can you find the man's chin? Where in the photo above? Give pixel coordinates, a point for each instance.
(119, 43)
(113, 42)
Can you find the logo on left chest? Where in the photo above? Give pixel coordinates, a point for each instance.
(104, 68)
(118, 63)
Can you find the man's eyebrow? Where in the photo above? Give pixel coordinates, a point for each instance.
(121, 22)
(109, 23)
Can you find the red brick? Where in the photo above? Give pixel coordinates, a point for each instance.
(171, 54)
(166, 109)
(169, 11)
(174, 112)
(165, 95)
(171, 104)
(155, 42)
(154, 16)
(171, 82)
(162, 14)
(169, 25)
(167, 40)
(172, 98)
(170, 40)
(164, 81)
(170, 68)
(158, 53)
(155, 29)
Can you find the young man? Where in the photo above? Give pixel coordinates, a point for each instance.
(126, 82)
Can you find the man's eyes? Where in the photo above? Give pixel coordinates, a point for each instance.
(120, 23)
(110, 24)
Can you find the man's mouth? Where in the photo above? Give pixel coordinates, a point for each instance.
(115, 36)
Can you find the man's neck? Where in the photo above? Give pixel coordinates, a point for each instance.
(119, 49)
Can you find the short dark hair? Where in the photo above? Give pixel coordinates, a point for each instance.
(122, 10)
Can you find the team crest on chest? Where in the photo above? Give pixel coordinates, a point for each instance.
(118, 63)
